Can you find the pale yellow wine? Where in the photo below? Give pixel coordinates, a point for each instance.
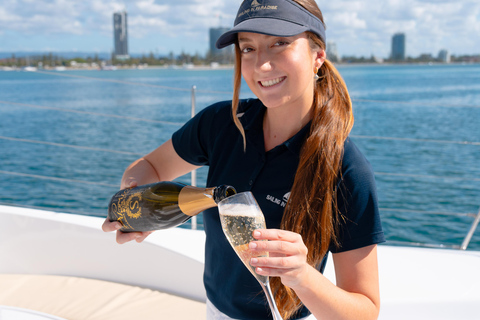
(238, 226)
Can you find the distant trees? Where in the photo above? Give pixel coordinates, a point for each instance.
(51, 60)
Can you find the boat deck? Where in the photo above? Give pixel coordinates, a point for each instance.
(65, 266)
(76, 298)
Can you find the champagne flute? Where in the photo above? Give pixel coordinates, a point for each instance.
(240, 216)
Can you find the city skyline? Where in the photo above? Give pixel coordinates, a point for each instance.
(358, 28)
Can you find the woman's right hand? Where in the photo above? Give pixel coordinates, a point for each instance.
(163, 164)
(128, 182)
(124, 237)
(110, 226)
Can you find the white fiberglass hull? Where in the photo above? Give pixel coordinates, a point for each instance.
(415, 283)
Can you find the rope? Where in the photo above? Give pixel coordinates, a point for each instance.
(424, 176)
(225, 92)
(141, 154)
(114, 81)
(415, 103)
(417, 140)
(89, 113)
(36, 176)
(422, 244)
(116, 186)
(474, 143)
(61, 210)
(130, 83)
(465, 214)
(69, 146)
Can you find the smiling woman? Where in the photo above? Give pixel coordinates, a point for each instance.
(268, 52)
(292, 139)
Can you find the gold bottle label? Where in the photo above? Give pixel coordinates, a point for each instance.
(127, 206)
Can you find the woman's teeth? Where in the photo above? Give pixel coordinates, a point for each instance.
(270, 83)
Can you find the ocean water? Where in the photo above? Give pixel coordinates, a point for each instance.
(66, 137)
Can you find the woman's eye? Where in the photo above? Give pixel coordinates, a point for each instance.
(280, 43)
(246, 50)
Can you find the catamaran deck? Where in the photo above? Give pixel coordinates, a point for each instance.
(80, 298)
(64, 265)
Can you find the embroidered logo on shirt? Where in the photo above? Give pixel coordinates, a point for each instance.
(282, 202)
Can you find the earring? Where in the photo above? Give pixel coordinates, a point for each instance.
(316, 77)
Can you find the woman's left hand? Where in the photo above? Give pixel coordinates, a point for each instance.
(287, 255)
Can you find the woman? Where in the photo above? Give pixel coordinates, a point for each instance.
(290, 148)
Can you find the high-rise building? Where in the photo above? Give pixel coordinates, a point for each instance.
(332, 52)
(120, 35)
(444, 56)
(215, 33)
(398, 47)
(224, 55)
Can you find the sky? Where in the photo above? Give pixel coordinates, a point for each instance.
(358, 28)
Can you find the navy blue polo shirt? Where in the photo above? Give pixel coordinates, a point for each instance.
(212, 139)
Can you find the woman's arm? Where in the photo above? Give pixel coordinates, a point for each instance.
(162, 164)
(356, 294)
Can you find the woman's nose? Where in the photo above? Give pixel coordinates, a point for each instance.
(264, 61)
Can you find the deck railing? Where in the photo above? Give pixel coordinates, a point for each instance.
(470, 233)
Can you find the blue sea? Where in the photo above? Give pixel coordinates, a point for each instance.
(66, 137)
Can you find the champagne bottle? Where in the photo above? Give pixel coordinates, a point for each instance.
(162, 205)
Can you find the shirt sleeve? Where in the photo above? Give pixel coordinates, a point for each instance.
(359, 219)
(194, 140)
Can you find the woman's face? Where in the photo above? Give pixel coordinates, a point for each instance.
(280, 70)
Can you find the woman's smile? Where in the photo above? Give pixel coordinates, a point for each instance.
(272, 82)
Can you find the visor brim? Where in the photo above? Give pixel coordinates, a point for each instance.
(268, 26)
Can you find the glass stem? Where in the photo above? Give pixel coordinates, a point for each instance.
(271, 300)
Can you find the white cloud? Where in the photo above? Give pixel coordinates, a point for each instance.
(428, 25)
(149, 7)
(348, 20)
(359, 27)
(140, 26)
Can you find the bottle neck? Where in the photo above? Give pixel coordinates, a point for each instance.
(193, 200)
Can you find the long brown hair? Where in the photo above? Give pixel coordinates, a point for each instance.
(312, 209)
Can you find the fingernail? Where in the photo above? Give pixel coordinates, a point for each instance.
(253, 261)
(256, 234)
(252, 245)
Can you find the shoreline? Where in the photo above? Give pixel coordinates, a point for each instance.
(220, 66)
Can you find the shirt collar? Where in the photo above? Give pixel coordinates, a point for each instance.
(295, 143)
(251, 116)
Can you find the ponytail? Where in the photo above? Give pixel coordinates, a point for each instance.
(312, 207)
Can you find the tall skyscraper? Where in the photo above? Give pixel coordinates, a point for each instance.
(120, 35)
(224, 55)
(444, 56)
(332, 52)
(398, 47)
(215, 33)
